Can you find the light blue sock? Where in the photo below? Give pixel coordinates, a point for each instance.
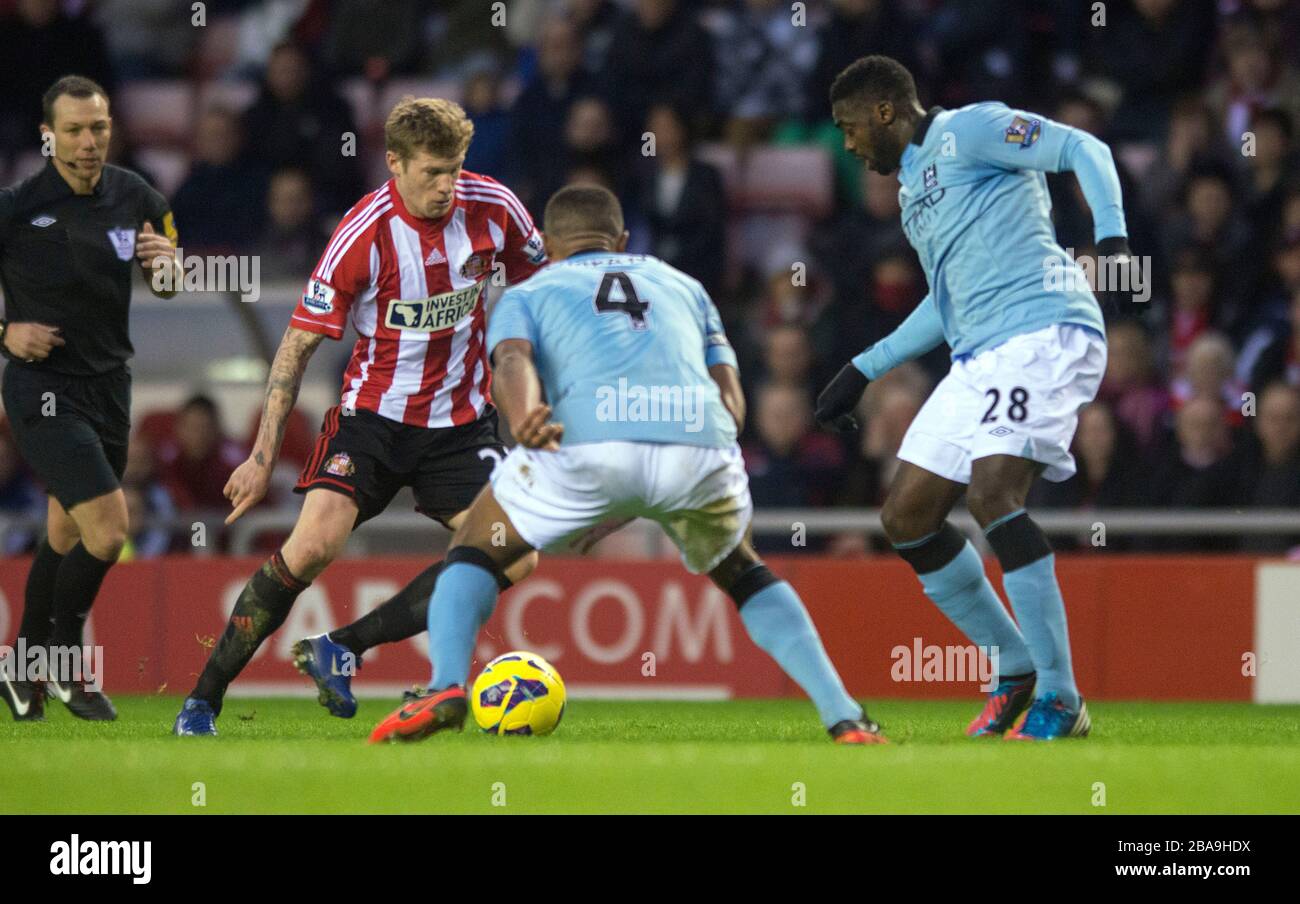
(463, 599)
(779, 624)
(1036, 598)
(962, 592)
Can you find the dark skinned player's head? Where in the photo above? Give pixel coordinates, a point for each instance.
(582, 217)
(875, 105)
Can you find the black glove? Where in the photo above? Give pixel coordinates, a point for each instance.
(836, 403)
(1115, 266)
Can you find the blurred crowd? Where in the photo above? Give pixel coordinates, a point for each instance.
(671, 102)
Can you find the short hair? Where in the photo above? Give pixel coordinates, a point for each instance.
(875, 78)
(430, 124)
(72, 86)
(583, 209)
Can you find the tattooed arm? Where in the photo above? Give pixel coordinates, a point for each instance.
(247, 485)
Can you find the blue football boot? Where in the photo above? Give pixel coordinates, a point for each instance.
(331, 665)
(1049, 719)
(196, 719)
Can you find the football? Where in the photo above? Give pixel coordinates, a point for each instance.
(518, 693)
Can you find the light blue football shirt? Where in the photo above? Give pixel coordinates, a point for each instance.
(975, 206)
(623, 344)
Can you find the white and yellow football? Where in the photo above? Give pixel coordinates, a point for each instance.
(518, 693)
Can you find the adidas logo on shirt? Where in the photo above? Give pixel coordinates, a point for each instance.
(435, 257)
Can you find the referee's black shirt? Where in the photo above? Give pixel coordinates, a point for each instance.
(66, 260)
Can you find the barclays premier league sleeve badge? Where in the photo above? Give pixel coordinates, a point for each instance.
(319, 297)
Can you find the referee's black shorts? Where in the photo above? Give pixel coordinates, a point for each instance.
(72, 431)
(368, 457)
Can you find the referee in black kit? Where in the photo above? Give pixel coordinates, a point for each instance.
(69, 238)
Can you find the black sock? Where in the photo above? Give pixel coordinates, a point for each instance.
(262, 607)
(75, 587)
(38, 597)
(403, 616)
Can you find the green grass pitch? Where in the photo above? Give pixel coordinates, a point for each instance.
(289, 756)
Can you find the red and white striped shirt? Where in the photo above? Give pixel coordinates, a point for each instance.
(412, 289)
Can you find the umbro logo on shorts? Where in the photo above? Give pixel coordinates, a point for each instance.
(1001, 431)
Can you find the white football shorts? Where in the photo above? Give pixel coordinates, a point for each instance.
(698, 495)
(1020, 398)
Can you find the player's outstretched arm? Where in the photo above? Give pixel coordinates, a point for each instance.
(248, 483)
(1017, 139)
(733, 397)
(517, 391)
(918, 334)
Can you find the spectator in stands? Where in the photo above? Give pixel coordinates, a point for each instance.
(222, 201)
(790, 464)
(1270, 471)
(590, 145)
(764, 60)
(684, 202)
(886, 411)
(788, 358)
(489, 153)
(198, 460)
(1195, 470)
(1279, 361)
(148, 39)
(41, 43)
(796, 293)
(542, 108)
(1110, 472)
(660, 53)
(856, 28)
(1257, 77)
(1194, 140)
(1274, 159)
(299, 120)
(973, 50)
(149, 503)
(850, 244)
(1130, 384)
(1210, 373)
(596, 22)
(1209, 221)
(376, 38)
(1154, 51)
(293, 240)
(1191, 312)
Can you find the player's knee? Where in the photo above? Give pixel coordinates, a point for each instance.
(472, 555)
(105, 543)
(905, 519)
(308, 555)
(987, 503)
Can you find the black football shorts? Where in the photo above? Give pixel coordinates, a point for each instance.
(370, 458)
(71, 430)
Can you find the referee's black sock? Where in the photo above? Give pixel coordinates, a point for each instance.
(75, 587)
(403, 616)
(38, 597)
(262, 607)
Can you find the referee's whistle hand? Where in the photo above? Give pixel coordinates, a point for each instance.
(32, 341)
(150, 245)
